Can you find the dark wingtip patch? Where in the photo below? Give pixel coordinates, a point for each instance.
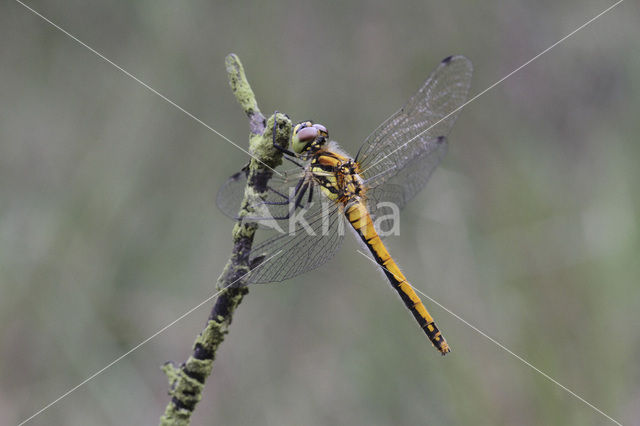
(441, 139)
(447, 59)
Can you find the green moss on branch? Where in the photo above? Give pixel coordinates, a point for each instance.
(187, 379)
(244, 94)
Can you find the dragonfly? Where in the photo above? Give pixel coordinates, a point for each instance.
(328, 188)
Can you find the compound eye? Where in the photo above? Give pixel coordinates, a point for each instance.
(321, 128)
(307, 134)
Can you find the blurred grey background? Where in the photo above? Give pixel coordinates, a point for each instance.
(529, 230)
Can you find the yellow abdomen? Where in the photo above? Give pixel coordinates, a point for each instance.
(359, 217)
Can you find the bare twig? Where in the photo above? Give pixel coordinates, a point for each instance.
(187, 379)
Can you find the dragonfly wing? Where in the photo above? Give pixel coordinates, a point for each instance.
(400, 188)
(306, 246)
(412, 130)
(275, 204)
(230, 195)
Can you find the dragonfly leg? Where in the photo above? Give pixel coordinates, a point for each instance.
(310, 196)
(288, 215)
(280, 194)
(275, 203)
(285, 199)
(286, 152)
(286, 157)
(303, 190)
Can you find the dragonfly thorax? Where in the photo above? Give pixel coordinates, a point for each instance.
(308, 137)
(338, 175)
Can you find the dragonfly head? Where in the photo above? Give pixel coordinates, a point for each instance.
(308, 136)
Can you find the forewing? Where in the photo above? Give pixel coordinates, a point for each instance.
(400, 188)
(411, 132)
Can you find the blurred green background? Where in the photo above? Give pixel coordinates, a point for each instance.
(529, 229)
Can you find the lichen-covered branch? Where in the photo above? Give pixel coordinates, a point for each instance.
(244, 94)
(187, 379)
